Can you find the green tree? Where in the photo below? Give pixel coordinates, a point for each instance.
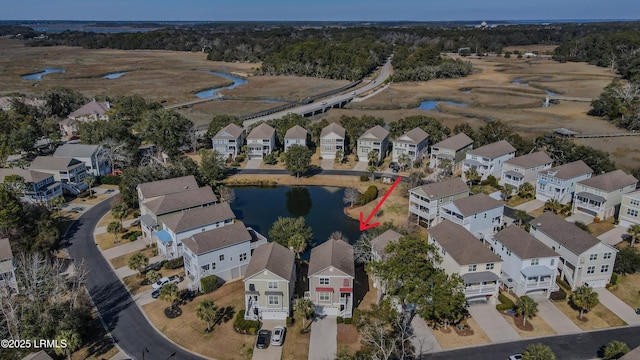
(212, 166)
(448, 302)
(138, 262)
(615, 350)
(339, 157)
(153, 276)
(119, 211)
(90, 181)
(521, 216)
(582, 226)
(207, 311)
(627, 260)
(171, 294)
(297, 159)
(72, 340)
(16, 184)
(527, 308)
(507, 191)
(114, 228)
(356, 126)
(584, 298)
(372, 170)
(553, 205)
(219, 121)
(10, 212)
(305, 308)
(372, 157)
(472, 175)
(298, 244)
(538, 352)
(437, 132)
(57, 203)
(167, 129)
(60, 102)
(404, 161)
(526, 191)
(284, 229)
(634, 234)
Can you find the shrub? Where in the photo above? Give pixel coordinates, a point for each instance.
(239, 159)
(504, 307)
(110, 180)
(209, 283)
(348, 321)
(289, 321)
(174, 264)
(614, 279)
(136, 214)
(364, 177)
(133, 237)
(563, 283)
(270, 159)
(235, 164)
(558, 295)
(506, 303)
(339, 320)
(491, 181)
(355, 317)
(369, 195)
(245, 326)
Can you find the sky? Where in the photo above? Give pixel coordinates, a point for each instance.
(318, 10)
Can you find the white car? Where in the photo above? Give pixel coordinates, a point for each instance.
(160, 283)
(515, 357)
(278, 336)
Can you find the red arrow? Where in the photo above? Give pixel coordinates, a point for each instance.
(364, 225)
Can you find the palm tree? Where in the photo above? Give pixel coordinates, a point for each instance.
(305, 308)
(120, 211)
(57, 202)
(526, 191)
(170, 293)
(404, 161)
(69, 338)
(372, 157)
(634, 232)
(207, 311)
(584, 298)
(298, 244)
(521, 216)
(90, 180)
(527, 307)
(472, 175)
(114, 227)
(372, 169)
(153, 276)
(553, 205)
(507, 191)
(138, 262)
(538, 352)
(615, 350)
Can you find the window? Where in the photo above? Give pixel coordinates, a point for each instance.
(593, 257)
(444, 252)
(324, 296)
(604, 268)
(634, 202)
(274, 300)
(535, 262)
(324, 281)
(243, 256)
(205, 267)
(632, 212)
(489, 266)
(222, 257)
(272, 284)
(591, 269)
(553, 261)
(607, 255)
(472, 268)
(213, 266)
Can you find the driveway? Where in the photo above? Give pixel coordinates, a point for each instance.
(618, 307)
(327, 164)
(423, 340)
(530, 205)
(324, 334)
(271, 352)
(614, 236)
(492, 323)
(584, 218)
(361, 166)
(253, 164)
(553, 316)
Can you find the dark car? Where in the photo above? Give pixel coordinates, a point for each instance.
(638, 311)
(155, 266)
(263, 339)
(394, 167)
(155, 294)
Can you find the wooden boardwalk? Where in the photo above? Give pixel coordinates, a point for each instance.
(603, 135)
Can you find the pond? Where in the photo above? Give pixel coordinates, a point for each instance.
(38, 76)
(114, 75)
(518, 81)
(431, 104)
(321, 206)
(237, 81)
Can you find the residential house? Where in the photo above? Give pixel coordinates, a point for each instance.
(601, 195)
(488, 159)
(425, 201)
(181, 225)
(68, 171)
(7, 268)
(269, 283)
(374, 139)
(261, 141)
(224, 252)
(559, 183)
(94, 157)
(413, 143)
(331, 278)
(40, 186)
(332, 139)
(228, 141)
(466, 256)
(479, 214)
(584, 260)
(524, 169)
(40, 355)
(92, 111)
(528, 265)
(296, 135)
(453, 149)
(378, 253)
(630, 209)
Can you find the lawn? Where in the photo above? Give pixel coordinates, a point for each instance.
(452, 340)
(138, 284)
(223, 343)
(598, 318)
(599, 228)
(123, 260)
(516, 200)
(296, 346)
(540, 327)
(628, 289)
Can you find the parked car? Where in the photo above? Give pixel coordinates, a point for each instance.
(278, 336)
(263, 339)
(394, 167)
(155, 266)
(160, 283)
(515, 357)
(638, 311)
(175, 279)
(155, 294)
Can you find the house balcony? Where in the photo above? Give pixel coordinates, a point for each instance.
(480, 283)
(454, 218)
(422, 212)
(590, 203)
(257, 239)
(482, 289)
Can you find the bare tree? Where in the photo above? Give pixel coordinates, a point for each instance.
(338, 235)
(227, 194)
(351, 196)
(362, 249)
(118, 153)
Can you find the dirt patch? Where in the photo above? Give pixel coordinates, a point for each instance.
(296, 346)
(452, 340)
(123, 260)
(628, 289)
(599, 317)
(348, 337)
(601, 227)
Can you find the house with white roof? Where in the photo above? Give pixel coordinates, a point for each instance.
(453, 149)
(584, 260)
(559, 183)
(40, 186)
(630, 209)
(269, 283)
(229, 141)
(7, 266)
(465, 255)
(528, 265)
(374, 139)
(331, 278)
(479, 214)
(414, 144)
(524, 169)
(332, 139)
(488, 159)
(93, 157)
(261, 141)
(92, 111)
(296, 135)
(425, 201)
(601, 195)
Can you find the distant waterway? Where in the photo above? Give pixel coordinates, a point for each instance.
(38, 76)
(432, 104)
(114, 75)
(209, 93)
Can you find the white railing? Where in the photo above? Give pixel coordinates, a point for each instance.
(454, 219)
(481, 289)
(538, 285)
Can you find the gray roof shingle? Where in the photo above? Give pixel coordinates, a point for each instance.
(296, 132)
(523, 244)
(414, 136)
(442, 188)
(5, 249)
(92, 108)
(377, 132)
(231, 131)
(336, 253)
(379, 243)
(531, 160)
(564, 232)
(568, 171)
(476, 203)
(333, 127)
(613, 180)
(167, 186)
(262, 131)
(463, 247)
(493, 150)
(273, 257)
(218, 238)
(31, 176)
(456, 142)
(76, 150)
(198, 217)
(169, 203)
(54, 163)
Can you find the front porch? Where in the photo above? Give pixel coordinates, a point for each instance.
(478, 284)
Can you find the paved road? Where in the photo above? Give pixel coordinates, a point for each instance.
(128, 326)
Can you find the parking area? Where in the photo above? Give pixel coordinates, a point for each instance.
(493, 324)
(271, 352)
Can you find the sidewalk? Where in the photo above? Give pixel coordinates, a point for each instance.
(618, 307)
(361, 166)
(614, 236)
(124, 249)
(530, 205)
(554, 317)
(324, 335)
(423, 340)
(493, 324)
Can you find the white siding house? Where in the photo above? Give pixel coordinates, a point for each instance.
(296, 135)
(425, 201)
(94, 157)
(332, 139)
(601, 195)
(413, 143)
(228, 141)
(488, 159)
(374, 139)
(630, 209)
(261, 141)
(524, 169)
(559, 183)
(479, 214)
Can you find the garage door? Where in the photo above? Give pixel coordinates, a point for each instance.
(597, 283)
(274, 315)
(327, 310)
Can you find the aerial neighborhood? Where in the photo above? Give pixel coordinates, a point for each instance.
(311, 229)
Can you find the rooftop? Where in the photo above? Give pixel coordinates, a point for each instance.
(376, 133)
(494, 150)
(333, 128)
(613, 180)
(76, 150)
(218, 238)
(442, 188)
(414, 136)
(456, 142)
(568, 171)
(272, 257)
(379, 243)
(476, 203)
(565, 233)
(296, 132)
(262, 131)
(336, 253)
(231, 131)
(31, 176)
(191, 198)
(531, 160)
(198, 217)
(167, 186)
(523, 244)
(5, 249)
(54, 163)
(461, 245)
(92, 108)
